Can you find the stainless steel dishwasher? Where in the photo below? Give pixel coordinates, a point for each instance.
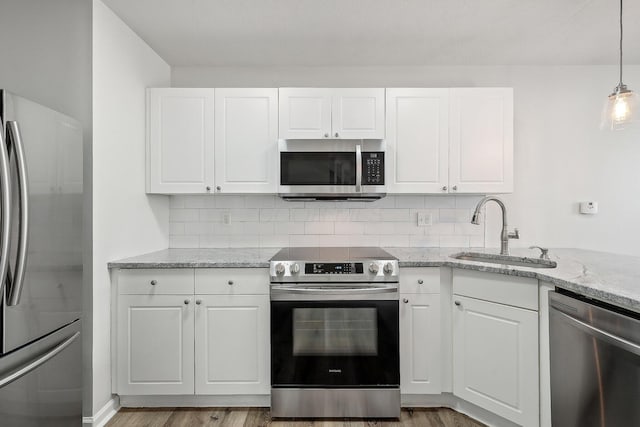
(595, 363)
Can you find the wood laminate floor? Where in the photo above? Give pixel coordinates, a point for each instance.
(259, 417)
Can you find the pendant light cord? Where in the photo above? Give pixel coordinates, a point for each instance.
(620, 43)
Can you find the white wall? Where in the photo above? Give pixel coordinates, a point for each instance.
(561, 157)
(125, 220)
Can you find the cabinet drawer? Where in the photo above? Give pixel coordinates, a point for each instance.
(232, 281)
(156, 281)
(500, 288)
(420, 280)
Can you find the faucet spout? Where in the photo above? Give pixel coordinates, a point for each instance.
(505, 235)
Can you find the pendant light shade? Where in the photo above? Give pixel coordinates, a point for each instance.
(621, 107)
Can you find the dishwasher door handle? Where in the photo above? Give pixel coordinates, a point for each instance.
(599, 333)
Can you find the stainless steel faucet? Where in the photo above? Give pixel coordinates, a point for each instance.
(505, 235)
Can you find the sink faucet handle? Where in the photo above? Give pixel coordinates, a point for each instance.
(544, 252)
(515, 234)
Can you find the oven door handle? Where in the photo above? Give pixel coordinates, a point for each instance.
(338, 291)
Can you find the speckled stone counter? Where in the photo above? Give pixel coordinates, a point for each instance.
(200, 258)
(611, 278)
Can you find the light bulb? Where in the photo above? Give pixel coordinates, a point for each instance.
(620, 111)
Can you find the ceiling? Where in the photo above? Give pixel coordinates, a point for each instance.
(383, 32)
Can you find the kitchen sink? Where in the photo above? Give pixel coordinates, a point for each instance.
(505, 260)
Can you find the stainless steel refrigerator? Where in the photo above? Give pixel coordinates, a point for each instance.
(40, 265)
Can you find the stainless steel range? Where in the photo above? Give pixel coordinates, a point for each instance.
(334, 333)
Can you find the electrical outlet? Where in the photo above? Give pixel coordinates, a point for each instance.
(424, 219)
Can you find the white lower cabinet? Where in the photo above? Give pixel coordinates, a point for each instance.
(155, 344)
(212, 343)
(232, 342)
(495, 358)
(420, 350)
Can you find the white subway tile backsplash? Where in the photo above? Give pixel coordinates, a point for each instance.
(349, 227)
(219, 221)
(409, 202)
(304, 215)
(379, 228)
(318, 228)
(228, 201)
(397, 241)
(183, 215)
(274, 215)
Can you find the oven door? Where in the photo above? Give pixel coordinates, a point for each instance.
(335, 342)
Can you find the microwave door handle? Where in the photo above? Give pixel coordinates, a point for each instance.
(23, 237)
(358, 168)
(5, 211)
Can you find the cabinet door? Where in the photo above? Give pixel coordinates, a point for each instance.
(304, 113)
(155, 344)
(417, 140)
(420, 358)
(232, 342)
(179, 140)
(358, 113)
(481, 140)
(495, 358)
(246, 140)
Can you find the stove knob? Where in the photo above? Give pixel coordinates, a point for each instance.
(373, 268)
(388, 268)
(279, 269)
(295, 269)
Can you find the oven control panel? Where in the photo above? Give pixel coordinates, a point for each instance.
(333, 268)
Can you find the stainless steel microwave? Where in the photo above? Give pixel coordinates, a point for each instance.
(320, 170)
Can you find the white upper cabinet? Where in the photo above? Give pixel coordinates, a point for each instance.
(180, 140)
(358, 113)
(319, 113)
(417, 140)
(450, 140)
(246, 140)
(481, 140)
(305, 113)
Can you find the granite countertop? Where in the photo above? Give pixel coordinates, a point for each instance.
(611, 278)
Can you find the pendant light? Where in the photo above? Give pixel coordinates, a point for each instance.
(621, 108)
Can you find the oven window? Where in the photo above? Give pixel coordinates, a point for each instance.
(317, 168)
(335, 331)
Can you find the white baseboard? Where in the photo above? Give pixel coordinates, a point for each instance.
(102, 417)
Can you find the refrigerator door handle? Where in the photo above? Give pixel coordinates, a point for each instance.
(15, 285)
(5, 212)
(38, 361)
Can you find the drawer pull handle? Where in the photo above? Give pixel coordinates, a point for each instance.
(186, 302)
(420, 281)
(153, 283)
(198, 301)
(457, 303)
(230, 282)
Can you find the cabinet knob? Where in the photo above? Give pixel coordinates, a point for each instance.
(230, 282)
(458, 303)
(444, 188)
(405, 300)
(326, 135)
(337, 134)
(208, 188)
(455, 188)
(153, 283)
(218, 188)
(420, 281)
(198, 301)
(186, 302)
